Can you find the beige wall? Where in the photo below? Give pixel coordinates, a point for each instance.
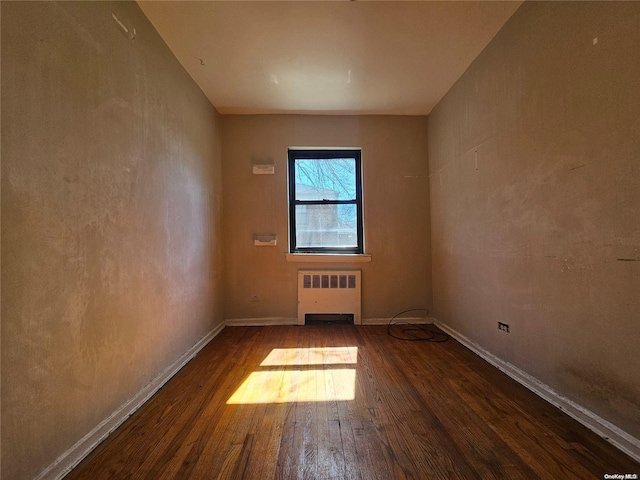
(544, 232)
(111, 220)
(396, 210)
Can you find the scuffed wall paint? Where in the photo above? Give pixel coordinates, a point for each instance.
(111, 219)
(535, 165)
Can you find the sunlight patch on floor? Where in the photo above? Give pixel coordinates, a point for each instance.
(277, 382)
(296, 386)
(311, 356)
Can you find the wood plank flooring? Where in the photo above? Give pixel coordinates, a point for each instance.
(343, 402)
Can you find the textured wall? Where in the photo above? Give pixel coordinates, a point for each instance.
(535, 197)
(396, 210)
(111, 209)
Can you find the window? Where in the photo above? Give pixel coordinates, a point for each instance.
(325, 201)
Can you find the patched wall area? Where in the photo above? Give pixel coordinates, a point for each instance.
(535, 166)
(111, 219)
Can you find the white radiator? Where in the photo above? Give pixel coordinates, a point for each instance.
(329, 292)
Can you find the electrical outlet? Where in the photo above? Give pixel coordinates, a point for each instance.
(503, 326)
(255, 297)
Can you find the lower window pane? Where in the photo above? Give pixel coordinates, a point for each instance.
(326, 226)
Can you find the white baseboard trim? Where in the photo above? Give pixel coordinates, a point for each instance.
(72, 457)
(269, 321)
(612, 434)
(260, 322)
(385, 321)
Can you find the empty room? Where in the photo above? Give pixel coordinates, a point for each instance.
(320, 240)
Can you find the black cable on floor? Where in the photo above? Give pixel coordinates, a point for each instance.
(413, 331)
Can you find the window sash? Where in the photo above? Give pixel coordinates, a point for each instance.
(293, 202)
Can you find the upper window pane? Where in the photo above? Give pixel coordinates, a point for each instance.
(325, 179)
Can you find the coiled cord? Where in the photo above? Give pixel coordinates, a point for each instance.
(412, 331)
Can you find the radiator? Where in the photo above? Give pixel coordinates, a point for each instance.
(329, 292)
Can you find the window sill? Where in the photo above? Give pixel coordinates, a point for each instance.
(327, 258)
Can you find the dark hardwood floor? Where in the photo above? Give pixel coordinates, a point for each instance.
(345, 402)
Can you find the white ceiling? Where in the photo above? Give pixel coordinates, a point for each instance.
(333, 57)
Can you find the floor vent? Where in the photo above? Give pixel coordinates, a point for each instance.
(328, 319)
